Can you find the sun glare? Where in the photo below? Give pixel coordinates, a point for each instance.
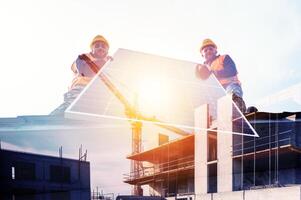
(153, 95)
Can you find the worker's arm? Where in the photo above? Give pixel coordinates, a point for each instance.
(202, 71)
(229, 68)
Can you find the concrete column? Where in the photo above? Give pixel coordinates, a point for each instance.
(224, 144)
(200, 150)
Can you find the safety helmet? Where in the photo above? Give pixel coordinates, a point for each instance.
(99, 38)
(207, 42)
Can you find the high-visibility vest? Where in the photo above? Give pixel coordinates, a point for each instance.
(83, 74)
(225, 70)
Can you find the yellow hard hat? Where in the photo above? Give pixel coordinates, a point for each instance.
(99, 38)
(207, 42)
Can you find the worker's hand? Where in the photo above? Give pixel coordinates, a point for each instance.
(202, 71)
(109, 58)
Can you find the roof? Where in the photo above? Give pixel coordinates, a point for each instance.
(272, 116)
(19, 153)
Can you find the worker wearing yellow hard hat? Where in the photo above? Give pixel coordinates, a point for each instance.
(99, 55)
(223, 68)
(99, 38)
(208, 42)
(83, 73)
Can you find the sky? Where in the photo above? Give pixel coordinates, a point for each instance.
(40, 40)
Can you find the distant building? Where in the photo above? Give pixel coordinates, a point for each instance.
(36, 130)
(34, 176)
(215, 165)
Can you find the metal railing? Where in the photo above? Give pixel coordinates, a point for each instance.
(166, 167)
(261, 142)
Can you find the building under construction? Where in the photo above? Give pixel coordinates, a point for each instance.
(222, 159)
(214, 165)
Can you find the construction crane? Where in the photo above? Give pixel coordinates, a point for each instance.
(136, 119)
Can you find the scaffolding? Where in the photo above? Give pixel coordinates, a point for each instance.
(258, 162)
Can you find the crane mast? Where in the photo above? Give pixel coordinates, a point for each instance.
(136, 118)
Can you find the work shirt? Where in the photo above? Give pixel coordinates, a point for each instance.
(83, 74)
(223, 67)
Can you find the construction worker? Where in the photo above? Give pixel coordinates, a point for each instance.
(82, 71)
(224, 69)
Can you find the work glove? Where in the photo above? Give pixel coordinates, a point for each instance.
(202, 71)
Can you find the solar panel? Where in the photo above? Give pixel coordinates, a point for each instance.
(163, 90)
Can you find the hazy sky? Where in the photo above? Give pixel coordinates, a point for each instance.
(40, 40)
